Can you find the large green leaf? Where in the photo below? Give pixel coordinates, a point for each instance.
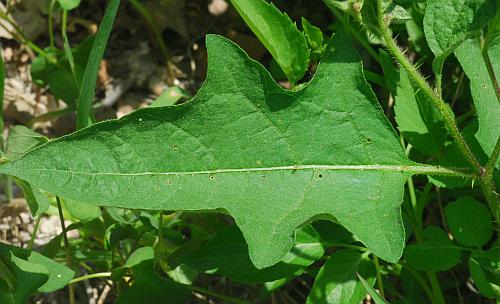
(483, 93)
(271, 158)
(278, 33)
(337, 281)
(447, 23)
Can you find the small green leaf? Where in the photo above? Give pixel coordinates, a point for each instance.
(469, 221)
(68, 5)
(21, 140)
(372, 292)
(28, 278)
(227, 254)
(80, 210)
(278, 33)
(55, 275)
(391, 74)
(117, 233)
(447, 23)
(393, 13)
(59, 274)
(148, 286)
(170, 97)
(469, 54)
(36, 200)
(485, 271)
(59, 76)
(314, 37)
(437, 253)
(337, 282)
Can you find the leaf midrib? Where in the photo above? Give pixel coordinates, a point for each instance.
(411, 169)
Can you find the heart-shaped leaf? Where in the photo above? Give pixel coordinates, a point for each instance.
(469, 221)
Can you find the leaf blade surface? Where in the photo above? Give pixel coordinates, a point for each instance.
(271, 158)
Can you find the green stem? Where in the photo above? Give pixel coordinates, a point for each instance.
(437, 294)
(51, 23)
(66, 247)
(33, 234)
(421, 280)
(2, 87)
(67, 48)
(380, 283)
(490, 165)
(419, 233)
(488, 184)
(90, 276)
(427, 90)
(489, 68)
(436, 288)
(6, 180)
(225, 298)
(154, 28)
(349, 246)
(8, 189)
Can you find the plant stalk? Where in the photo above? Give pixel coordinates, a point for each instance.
(489, 67)
(427, 90)
(66, 248)
(380, 283)
(225, 298)
(33, 234)
(90, 276)
(437, 294)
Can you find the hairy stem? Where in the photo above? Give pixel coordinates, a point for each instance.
(427, 90)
